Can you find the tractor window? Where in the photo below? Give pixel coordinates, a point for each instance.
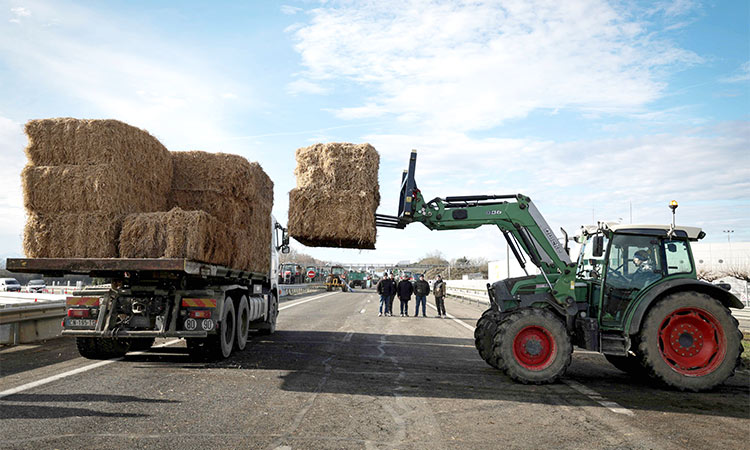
(678, 257)
(588, 266)
(634, 262)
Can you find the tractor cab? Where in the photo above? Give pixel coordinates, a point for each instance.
(620, 264)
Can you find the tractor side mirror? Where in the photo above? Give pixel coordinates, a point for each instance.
(598, 249)
(285, 249)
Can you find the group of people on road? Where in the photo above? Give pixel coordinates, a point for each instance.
(388, 289)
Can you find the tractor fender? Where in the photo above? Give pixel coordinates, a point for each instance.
(681, 284)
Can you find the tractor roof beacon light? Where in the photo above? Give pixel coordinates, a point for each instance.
(673, 206)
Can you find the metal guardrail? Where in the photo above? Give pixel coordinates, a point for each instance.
(294, 289)
(478, 296)
(24, 313)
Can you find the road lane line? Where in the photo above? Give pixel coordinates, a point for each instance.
(59, 376)
(595, 396)
(347, 337)
(43, 381)
(281, 308)
(590, 393)
(453, 318)
(362, 311)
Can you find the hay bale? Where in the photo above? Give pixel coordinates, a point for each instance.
(67, 141)
(338, 166)
(333, 217)
(223, 173)
(234, 212)
(89, 235)
(100, 188)
(194, 235)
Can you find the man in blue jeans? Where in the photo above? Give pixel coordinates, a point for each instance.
(421, 289)
(386, 288)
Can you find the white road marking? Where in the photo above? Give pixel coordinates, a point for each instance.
(43, 381)
(590, 393)
(595, 396)
(453, 318)
(281, 308)
(59, 376)
(363, 311)
(347, 337)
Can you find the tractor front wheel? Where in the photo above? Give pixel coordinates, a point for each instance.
(690, 341)
(532, 346)
(484, 334)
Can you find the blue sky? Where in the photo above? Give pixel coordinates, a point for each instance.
(587, 106)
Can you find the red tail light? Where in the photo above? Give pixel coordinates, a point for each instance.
(200, 314)
(79, 313)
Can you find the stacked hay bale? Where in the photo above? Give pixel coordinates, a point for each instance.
(83, 178)
(221, 212)
(336, 196)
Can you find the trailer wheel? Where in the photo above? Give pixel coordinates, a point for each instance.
(141, 344)
(101, 348)
(484, 334)
(217, 346)
(690, 341)
(269, 325)
(243, 323)
(532, 346)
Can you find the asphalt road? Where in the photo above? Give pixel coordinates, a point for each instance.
(337, 376)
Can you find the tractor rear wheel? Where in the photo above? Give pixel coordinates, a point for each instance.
(690, 341)
(484, 334)
(532, 346)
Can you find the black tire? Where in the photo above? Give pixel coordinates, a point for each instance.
(329, 288)
(532, 346)
(217, 346)
(629, 364)
(484, 334)
(101, 348)
(690, 341)
(141, 344)
(243, 323)
(268, 326)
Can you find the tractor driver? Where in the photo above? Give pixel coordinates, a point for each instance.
(644, 270)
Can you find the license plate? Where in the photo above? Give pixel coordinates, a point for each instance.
(82, 322)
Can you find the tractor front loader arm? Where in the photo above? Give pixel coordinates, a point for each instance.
(515, 215)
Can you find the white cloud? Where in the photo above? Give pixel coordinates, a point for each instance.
(12, 160)
(742, 74)
(303, 86)
(20, 12)
(290, 10)
(474, 64)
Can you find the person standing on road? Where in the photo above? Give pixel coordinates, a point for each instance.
(439, 292)
(385, 288)
(404, 290)
(421, 290)
(393, 294)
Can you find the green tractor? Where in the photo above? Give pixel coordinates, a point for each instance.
(336, 279)
(632, 295)
(357, 278)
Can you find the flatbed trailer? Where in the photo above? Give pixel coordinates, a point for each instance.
(213, 307)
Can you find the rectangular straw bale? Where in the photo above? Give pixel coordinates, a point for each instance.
(85, 235)
(234, 212)
(333, 217)
(194, 235)
(338, 165)
(251, 252)
(66, 141)
(223, 173)
(78, 188)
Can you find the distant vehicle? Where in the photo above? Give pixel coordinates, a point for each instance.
(336, 279)
(36, 286)
(357, 279)
(9, 285)
(290, 273)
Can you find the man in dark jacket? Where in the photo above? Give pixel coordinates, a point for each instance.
(439, 292)
(386, 288)
(421, 289)
(404, 289)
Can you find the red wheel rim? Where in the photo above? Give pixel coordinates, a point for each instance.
(691, 341)
(534, 348)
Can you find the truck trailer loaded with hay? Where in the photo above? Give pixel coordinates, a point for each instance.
(186, 240)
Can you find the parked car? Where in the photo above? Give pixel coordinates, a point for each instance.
(9, 285)
(36, 286)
